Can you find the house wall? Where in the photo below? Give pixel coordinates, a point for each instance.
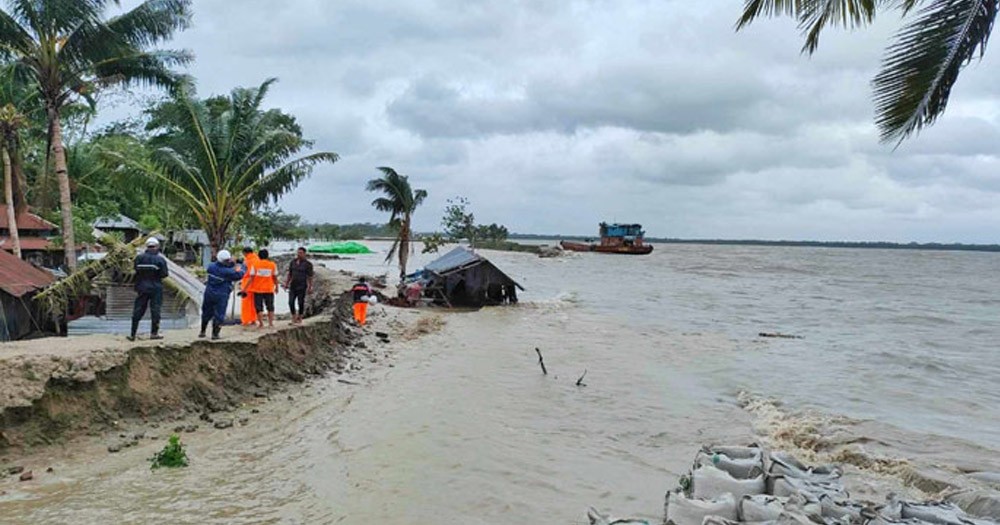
(16, 317)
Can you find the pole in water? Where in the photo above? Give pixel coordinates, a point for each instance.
(579, 382)
(541, 362)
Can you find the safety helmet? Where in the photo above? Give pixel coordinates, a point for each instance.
(223, 256)
(152, 242)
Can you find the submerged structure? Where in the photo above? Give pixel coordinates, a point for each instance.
(464, 278)
(615, 238)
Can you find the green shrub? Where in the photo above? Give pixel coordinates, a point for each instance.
(172, 455)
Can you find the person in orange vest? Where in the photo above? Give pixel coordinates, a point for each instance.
(263, 284)
(248, 309)
(362, 294)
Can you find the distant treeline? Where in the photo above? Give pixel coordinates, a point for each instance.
(815, 244)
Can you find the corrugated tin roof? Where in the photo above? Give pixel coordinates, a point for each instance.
(120, 222)
(457, 258)
(18, 277)
(30, 243)
(26, 221)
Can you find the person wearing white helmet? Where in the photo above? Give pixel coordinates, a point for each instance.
(221, 275)
(150, 270)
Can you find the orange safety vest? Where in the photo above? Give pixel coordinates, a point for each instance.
(249, 262)
(265, 277)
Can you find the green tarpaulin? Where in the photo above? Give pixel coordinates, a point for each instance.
(340, 247)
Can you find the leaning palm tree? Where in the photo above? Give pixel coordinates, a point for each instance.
(400, 200)
(224, 157)
(920, 67)
(69, 51)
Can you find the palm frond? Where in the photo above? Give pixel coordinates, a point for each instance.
(813, 16)
(152, 22)
(924, 62)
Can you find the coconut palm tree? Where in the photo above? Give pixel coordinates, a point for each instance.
(921, 65)
(400, 200)
(225, 156)
(69, 51)
(10, 121)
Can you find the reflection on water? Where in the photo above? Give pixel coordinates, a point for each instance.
(465, 429)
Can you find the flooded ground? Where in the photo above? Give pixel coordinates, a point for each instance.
(896, 350)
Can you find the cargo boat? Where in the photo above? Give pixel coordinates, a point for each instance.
(615, 238)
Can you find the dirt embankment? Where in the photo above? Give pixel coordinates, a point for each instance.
(53, 389)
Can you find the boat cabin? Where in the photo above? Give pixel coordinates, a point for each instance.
(615, 235)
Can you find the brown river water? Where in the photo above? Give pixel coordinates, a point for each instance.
(898, 349)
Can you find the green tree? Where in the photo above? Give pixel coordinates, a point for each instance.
(69, 51)
(921, 65)
(458, 222)
(225, 156)
(400, 200)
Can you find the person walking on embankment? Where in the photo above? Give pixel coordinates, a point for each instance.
(263, 284)
(362, 294)
(299, 283)
(150, 271)
(221, 275)
(248, 309)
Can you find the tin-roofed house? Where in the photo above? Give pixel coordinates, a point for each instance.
(464, 278)
(34, 233)
(121, 225)
(19, 282)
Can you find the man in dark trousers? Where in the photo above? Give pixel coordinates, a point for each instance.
(221, 275)
(299, 283)
(150, 270)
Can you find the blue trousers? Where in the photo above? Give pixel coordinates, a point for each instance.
(213, 308)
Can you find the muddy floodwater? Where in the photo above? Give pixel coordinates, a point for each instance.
(897, 348)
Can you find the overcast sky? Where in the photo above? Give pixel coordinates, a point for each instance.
(551, 116)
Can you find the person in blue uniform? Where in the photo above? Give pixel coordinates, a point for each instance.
(221, 275)
(150, 271)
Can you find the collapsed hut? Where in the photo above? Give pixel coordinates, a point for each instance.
(19, 282)
(464, 278)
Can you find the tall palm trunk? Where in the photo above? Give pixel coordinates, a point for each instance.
(8, 195)
(65, 197)
(404, 247)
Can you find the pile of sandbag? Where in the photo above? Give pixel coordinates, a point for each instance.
(729, 485)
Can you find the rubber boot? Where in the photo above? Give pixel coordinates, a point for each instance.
(204, 327)
(216, 329)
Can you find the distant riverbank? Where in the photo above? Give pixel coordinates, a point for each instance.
(811, 244)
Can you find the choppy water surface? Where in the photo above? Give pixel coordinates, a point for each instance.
(464, 429)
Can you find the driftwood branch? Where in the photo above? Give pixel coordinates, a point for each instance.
(579, 382)
(541, 362)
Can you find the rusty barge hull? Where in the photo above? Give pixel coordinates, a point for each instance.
(644, 249)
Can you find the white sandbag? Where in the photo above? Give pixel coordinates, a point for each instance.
(751, 452)
(737, 467)
(596, 518)
(761, 507)
(715, 520)
(784, 464)
(940, 513)
(840, 510)
(785, 486)
(708, 482)
(980, 503)
(681, 510)
(764, 507)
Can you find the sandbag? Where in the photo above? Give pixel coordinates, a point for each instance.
(840, 510)
(980, 503)
(708, 482)
(940, 514)
(764, 507)
(681, 510)
(784, 464)
(786, 486)
(737, 467)
(715, 520)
